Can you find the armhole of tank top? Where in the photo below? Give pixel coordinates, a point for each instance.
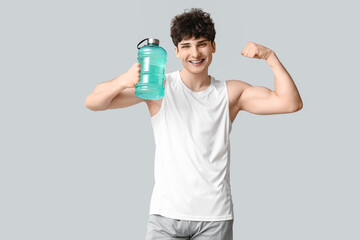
(228, 104)
(162, 102)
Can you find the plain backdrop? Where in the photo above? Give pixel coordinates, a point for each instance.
(69, 173)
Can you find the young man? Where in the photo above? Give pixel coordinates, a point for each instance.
(192, 195)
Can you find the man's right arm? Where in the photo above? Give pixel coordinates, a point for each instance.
(116, 93)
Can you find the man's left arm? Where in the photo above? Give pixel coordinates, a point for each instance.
(260, 100)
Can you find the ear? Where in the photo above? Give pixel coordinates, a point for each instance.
(177, 52)
(214, 47)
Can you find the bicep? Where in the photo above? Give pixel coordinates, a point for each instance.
(261, 100)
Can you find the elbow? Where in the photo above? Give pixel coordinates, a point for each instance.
(92, 108)
(88, 105)
(296, 107)
(300, 106)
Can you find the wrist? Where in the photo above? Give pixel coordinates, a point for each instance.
(272, 59)
(119, 82)
(270, 55)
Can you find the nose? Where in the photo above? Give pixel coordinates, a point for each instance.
(195, 52)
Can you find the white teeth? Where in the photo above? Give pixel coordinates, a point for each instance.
(196, 61)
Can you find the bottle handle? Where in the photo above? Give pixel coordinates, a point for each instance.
(146, 39)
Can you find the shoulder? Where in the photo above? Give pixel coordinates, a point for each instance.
(235, 88)
(171, 75)
(236, 84)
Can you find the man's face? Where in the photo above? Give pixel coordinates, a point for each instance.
(195, 54)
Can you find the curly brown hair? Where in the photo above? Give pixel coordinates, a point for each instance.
(192, 23)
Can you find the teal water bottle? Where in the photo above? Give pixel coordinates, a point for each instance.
(152, 58)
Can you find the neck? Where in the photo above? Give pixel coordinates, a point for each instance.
(195, 81)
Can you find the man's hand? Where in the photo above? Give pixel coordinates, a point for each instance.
(253, 50)
(131, 77)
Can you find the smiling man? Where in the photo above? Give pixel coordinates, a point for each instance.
(192, 195)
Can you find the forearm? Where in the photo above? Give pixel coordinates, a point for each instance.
(104, 93)
(285, 87)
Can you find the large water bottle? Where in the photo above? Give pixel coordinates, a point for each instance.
(153, 59)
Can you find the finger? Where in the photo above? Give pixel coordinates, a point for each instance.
(247, 52)
(244, 51)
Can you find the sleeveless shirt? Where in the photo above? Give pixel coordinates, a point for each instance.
(192, 155)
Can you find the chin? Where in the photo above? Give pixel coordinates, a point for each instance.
(196, 70)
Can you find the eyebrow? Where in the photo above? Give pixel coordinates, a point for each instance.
(183, 44)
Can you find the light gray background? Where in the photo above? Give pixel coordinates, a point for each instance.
(70, 173)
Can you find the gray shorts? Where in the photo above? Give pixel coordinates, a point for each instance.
(163, 228)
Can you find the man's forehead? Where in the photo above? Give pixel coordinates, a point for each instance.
(193, 40)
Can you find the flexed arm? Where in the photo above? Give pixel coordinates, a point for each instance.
(261, 100)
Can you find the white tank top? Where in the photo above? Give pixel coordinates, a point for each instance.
(192, 156)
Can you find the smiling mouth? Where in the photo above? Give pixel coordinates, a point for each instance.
(197, 62)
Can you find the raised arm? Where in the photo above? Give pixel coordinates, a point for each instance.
(116, 93)
(285, 98)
